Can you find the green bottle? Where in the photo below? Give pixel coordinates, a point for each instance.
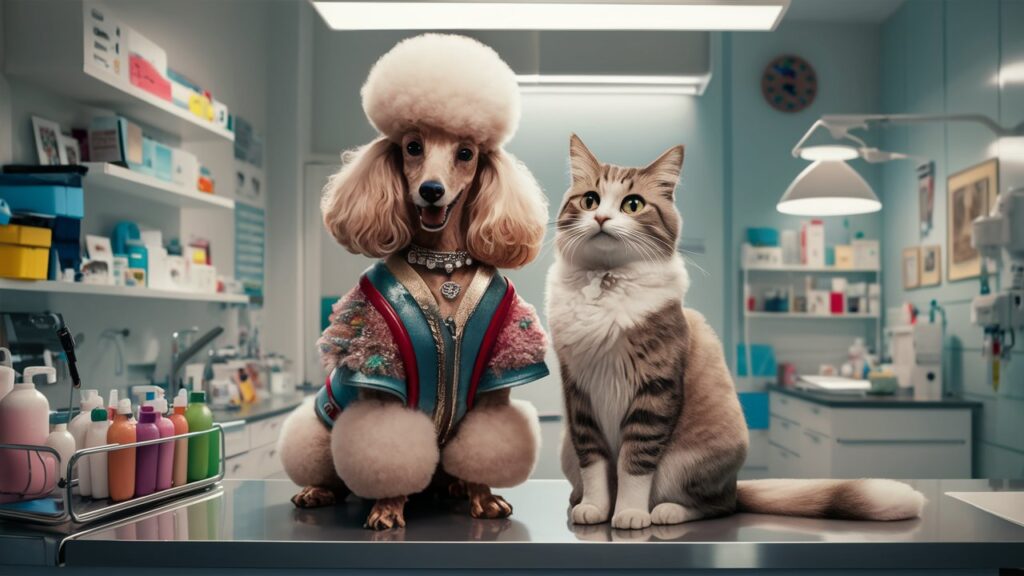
(199, 418)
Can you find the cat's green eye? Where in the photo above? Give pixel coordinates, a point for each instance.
(633, 204)
(590, 201)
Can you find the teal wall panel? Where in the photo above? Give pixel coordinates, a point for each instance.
(956, 56)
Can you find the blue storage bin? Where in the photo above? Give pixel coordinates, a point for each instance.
(763, 236)
(44, 194)
(755, 409)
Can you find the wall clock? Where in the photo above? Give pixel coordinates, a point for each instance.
(789, 83)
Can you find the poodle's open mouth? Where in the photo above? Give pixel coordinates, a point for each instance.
(435, 218)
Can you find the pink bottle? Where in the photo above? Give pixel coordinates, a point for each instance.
(165, 464)
(146, 457)
(25, 419)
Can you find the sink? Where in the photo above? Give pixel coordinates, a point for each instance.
(1006, 505)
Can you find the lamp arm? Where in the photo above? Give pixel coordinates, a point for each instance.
(849, 121)
(823, 123)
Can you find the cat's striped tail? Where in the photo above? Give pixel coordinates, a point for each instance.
(865, 499)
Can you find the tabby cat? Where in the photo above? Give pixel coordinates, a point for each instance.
(655, 431)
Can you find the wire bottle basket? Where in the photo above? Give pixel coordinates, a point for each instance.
(58, 501)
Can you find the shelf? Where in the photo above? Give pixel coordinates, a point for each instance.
(53, 287)
(810, 269)
(805, 316)
(118, 179)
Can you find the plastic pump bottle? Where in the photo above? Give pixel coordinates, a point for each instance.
(179, 475)
(97, 436)
(25, 419)
(165, 463)
(121, 463)
(7, 376)
(112, 404)
(148, 456)
(199, 418)
(79, 425)
(61, 440)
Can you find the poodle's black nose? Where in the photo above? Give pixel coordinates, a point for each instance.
(431, 191)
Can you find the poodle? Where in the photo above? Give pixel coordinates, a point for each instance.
(422, 354)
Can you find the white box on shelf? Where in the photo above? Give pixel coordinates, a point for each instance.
(203, 278)
(812, 243)
(185, 169)
(762, 256)
(145, 48)
(839, 284)
(104, 39)
(819, 302)
(875, 298)
(159, 268)
(865, 254)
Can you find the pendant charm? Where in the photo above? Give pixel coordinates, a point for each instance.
(450, 290)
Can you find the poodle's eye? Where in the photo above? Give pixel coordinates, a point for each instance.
(414, 148)
(464, 154)
(633, 204)
(590, 201)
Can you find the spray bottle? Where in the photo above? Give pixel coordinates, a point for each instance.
(179, 475)
(89, 399)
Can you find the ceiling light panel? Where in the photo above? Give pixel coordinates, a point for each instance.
(356, 15)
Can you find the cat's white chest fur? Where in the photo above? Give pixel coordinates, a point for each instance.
(590, 312)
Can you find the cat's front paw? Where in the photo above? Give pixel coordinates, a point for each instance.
(587, 513)
(631, 519)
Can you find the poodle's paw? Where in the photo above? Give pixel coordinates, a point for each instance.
(314, 497)
(631, 519)
(587, 513)
(387, 513)
(483, 504)
(669, 513)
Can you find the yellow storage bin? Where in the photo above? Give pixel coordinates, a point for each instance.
(24, 252)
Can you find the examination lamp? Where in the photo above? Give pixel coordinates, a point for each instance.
(830, 187)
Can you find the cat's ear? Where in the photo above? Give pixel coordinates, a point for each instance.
(583, 164)
(666, 169)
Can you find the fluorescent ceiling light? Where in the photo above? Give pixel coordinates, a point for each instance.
(682, 15)
(829, 188)
(612, 84)
(829, 152)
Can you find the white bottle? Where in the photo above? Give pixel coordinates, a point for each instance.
(25, 419)
(79, 425)
(112, 404)
(61, 440)
(97, 436)
(6, 373)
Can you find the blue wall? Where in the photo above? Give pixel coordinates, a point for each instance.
(946, 57)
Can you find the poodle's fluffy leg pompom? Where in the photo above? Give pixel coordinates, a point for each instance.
(383, 449)
(305, 449)
(496, 445)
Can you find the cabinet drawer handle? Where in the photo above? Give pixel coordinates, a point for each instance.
(896, 442)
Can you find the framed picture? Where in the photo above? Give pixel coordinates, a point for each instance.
(971, 193)
(71, 149)
(911, 268)
(931, 265)
(48, 143)
(926, 195)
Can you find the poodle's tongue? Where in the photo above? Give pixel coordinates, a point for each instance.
(433, 216)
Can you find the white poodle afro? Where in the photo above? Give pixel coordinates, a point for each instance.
(444, 81)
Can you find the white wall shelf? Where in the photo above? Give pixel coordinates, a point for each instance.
(123, 180)
(805, 316)
(53, 287)
(810, 269)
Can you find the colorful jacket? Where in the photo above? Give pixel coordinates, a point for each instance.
(387, 334)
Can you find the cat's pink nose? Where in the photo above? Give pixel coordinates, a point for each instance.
(600, 219)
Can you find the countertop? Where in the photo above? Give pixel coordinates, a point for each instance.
(245, 524)
(266, 408)
(904, 399)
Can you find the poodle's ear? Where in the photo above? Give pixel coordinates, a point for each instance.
(363, 204)
(509, 214)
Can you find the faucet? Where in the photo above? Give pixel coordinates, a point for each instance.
(181, 357)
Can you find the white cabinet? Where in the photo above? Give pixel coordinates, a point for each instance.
(811, 440)
(252, 449)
